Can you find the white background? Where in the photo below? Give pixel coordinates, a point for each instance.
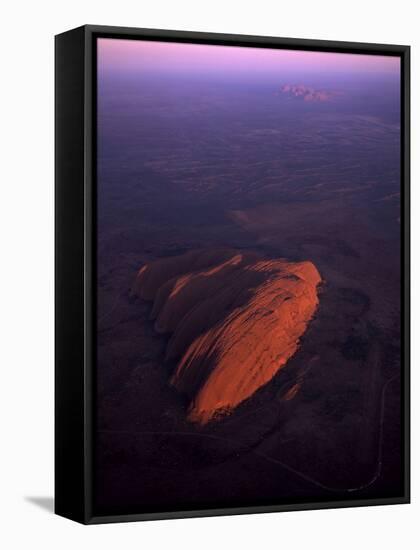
(26, 286)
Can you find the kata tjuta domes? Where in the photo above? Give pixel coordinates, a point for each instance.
(234, 318)
(306, 93)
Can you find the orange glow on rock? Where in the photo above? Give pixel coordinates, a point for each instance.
(235, 320)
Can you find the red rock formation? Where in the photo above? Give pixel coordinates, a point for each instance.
(235, 320)
(306, 93)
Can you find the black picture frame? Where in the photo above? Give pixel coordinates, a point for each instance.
(75, 238)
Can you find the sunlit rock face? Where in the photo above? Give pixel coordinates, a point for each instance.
(235, 319)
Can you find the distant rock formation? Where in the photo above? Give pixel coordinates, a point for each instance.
(234, 318)
(306, 93)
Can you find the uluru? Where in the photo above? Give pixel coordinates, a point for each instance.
(234, 319)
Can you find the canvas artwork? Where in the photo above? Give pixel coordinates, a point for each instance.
(248, 276)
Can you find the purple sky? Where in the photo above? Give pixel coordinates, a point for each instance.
(132, 56)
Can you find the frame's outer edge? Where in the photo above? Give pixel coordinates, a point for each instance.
(70, 423)
(406, 263)
(246, 40)
(90, 262)
(74, 264)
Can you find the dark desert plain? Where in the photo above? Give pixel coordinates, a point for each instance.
(248, 277)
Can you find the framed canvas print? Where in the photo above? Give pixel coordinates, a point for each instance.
(232, 274)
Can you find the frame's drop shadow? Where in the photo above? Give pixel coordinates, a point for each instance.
(46, 503)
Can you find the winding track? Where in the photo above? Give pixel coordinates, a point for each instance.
(376, 475)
